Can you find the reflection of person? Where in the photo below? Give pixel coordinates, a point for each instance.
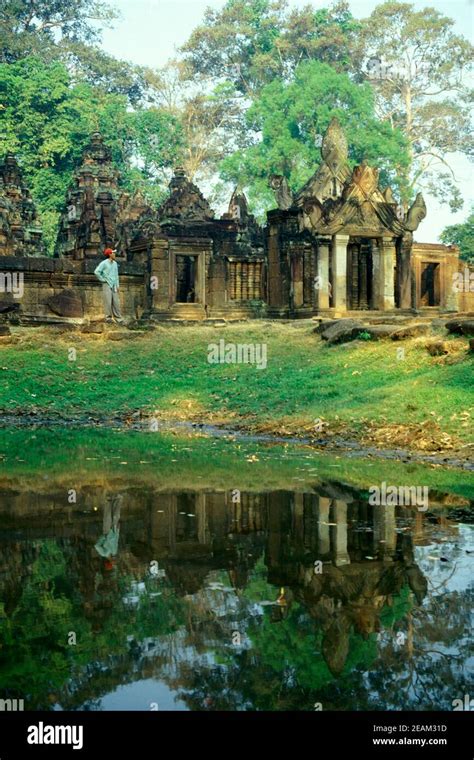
(107, 273)
(107, 545)
(282, 605)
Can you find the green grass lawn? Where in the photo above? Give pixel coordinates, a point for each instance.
(166, 373)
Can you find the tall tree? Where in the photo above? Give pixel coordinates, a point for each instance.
(208, 114)
(47, 121)
(418, 67)
(461, 235)
(240, 49)
(288, 120)
(250, 42)
(28, 26)
(70, 32)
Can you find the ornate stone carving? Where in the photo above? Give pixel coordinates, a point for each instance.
(332, 174)
(366, 178)
(416, 213)
(20, 229)
(186, 203)
(283, 194)
(147, 226)
(91, 218)
(238, 207)
(359, 204)
(334, 148)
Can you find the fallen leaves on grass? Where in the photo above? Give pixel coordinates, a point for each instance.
(425, 436)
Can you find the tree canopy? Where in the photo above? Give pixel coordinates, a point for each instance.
(461, 235)
(418, 69)
(47, 122)
(288, 120)
(249, 94)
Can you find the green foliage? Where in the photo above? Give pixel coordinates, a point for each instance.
(304, 380)
(38, 26)
(252, 42)
(400, 606)
(292, 648)
(461, 235)
(286, 120)
(36, 658)
(47, 121)
(364, 335)
(424, 93)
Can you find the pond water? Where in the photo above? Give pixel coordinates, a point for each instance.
(160, 573)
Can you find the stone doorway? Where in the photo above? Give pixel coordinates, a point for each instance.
(359, 274)
(430, 284)
(187, 282)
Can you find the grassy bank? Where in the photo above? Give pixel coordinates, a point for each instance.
(367, 393)
(48, 460)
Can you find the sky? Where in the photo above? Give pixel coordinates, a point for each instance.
(149, 32)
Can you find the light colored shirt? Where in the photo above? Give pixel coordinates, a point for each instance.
(107, 271)
(107, 546)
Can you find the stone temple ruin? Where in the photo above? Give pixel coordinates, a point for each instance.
(339, 245)
(20, 230)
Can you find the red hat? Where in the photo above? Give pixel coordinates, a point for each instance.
(108, 251)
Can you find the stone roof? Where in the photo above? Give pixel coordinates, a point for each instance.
(337, 198)
(186, 203)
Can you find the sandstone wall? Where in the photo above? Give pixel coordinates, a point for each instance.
(42, 289)
(466, 285)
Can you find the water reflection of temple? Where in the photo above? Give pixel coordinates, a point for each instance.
(191, 533)
(194, 525)
(367, 552)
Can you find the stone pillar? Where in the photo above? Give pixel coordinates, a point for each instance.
(449, 282)
(323, 274)
(339, 534)
(276, 297)
(389, 260)
(201, 516)
(298, 517)
(323, 526)
(404, 272)
(339, 271)
(383, 263)
(385, 535)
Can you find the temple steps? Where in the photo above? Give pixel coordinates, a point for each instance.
(182, 312)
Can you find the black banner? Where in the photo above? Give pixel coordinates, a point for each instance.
(377, 734)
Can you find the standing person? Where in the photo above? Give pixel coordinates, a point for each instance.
(107, 273)
(107, 545)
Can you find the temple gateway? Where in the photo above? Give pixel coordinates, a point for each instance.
(341, 244)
